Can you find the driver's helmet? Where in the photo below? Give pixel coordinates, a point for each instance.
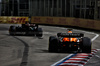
(69, 31)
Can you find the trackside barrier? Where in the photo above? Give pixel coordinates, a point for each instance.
(85, 23)
(13, 20)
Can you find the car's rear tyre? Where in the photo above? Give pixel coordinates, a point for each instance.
(53, 44)
(86, 45)
(39, 32)
(12, 30)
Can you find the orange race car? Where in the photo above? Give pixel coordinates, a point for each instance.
(65, 42)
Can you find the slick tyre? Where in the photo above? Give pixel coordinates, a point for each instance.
(53, 44)
(39, 32)
(12, 30)
(86, 45)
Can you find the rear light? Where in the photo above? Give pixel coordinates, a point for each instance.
(74, 45)
(64, 45)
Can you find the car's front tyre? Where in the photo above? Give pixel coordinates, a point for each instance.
(86, 45)
(12, 30)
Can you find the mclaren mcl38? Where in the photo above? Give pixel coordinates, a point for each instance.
(66, 42)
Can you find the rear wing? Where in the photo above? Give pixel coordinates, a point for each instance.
(70, 34)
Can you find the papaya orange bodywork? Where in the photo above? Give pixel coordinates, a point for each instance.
(69, 39)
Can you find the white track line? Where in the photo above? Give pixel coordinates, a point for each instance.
(97, 35)
(97, 56)
(72, 64)
(61, 60)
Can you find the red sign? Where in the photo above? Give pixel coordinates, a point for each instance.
(62, 21)
(90, 24)
(17, 20)
(37, 19)
(49, 20)
(76, 22)
(0, 21)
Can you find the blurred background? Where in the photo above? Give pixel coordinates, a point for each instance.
(87, 9)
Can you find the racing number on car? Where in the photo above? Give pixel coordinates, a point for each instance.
(17, 20)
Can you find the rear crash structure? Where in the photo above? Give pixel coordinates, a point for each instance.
(58, 44)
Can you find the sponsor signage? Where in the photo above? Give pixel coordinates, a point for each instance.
(14, 20)
(85, 23)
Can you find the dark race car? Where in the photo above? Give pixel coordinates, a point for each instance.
(26, 29)
(65, 42)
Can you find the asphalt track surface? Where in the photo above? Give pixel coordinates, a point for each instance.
(33, 51)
